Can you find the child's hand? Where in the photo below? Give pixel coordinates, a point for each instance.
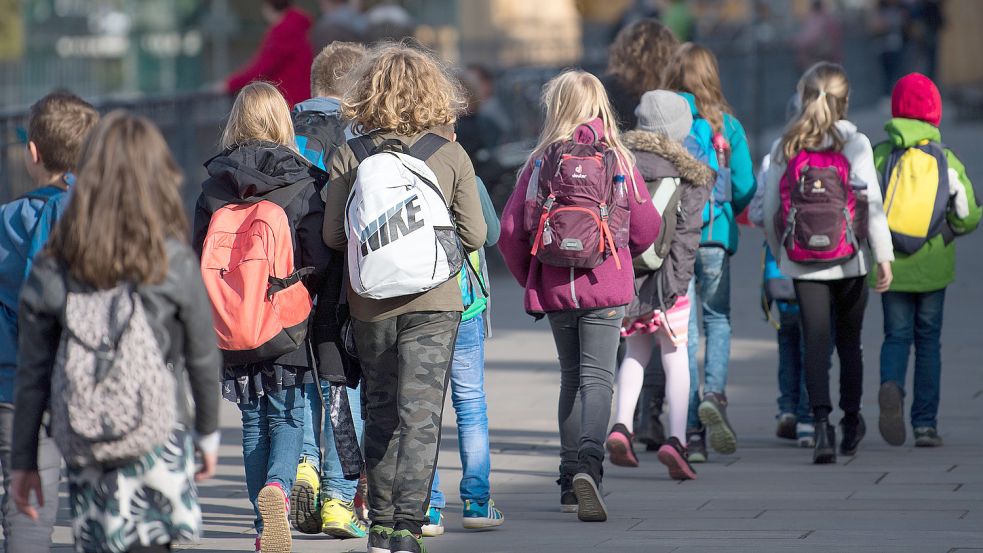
(884, 277)
(208, 463)
(23, 484)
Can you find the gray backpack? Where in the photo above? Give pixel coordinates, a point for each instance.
(112, 393)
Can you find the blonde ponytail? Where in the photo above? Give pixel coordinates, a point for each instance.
(824, 91)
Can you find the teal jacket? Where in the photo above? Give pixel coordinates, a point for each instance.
(933, 267)
(724, 231)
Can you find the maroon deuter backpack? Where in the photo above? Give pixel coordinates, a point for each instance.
(579, 214)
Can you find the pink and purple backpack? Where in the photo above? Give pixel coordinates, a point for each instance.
(822, 218)
(577, 205)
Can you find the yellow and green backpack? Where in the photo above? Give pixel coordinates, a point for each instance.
(916, 195)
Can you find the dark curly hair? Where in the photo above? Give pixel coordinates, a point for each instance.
(639, 53)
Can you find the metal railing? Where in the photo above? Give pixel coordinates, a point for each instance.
(191, 123)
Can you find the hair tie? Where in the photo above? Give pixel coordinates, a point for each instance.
(822, 93)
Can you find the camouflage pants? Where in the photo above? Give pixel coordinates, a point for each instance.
(405, 364)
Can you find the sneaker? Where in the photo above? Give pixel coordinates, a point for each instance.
(481, 515)
(568, 499)
(435, 523)
(274, 506)
(673, 455)
(713, 415)
(786, 426)
(852, 429)
(805, 433)
(890, 400)
(338, 520)
(620, 450)
(304, 513)
(590, 504)
(696, 445)
(824, 453)
(403, 541)
(927, 436)
(379, 539)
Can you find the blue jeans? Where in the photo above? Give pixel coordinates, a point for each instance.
(272, 436)
(793, 397)
(333, 483)
(710, 292)
(468, 398)
(914, 319)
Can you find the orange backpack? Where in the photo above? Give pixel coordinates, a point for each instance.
(259, 303)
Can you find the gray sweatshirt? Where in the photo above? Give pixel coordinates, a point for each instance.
(878, 245)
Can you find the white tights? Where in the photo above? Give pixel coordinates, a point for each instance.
(675, 360)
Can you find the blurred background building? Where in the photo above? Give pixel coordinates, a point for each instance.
(159, 57)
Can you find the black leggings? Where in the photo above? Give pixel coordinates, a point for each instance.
(828, 307)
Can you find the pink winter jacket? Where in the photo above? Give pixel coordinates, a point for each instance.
(550, 288)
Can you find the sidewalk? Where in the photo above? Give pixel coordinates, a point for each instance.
(767, 497)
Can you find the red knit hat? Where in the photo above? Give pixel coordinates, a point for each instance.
(915, 96)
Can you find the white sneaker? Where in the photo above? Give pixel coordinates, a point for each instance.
(805, 433)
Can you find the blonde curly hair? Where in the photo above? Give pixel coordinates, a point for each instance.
(403, 90)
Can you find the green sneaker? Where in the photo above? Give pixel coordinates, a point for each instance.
(403, 541)
(379, 539)
(338, 519)
(481, 515)
(304, 514)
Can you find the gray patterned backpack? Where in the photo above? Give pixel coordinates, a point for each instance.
(112, 394)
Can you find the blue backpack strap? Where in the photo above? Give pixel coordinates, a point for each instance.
(47, 216)
(427, 146)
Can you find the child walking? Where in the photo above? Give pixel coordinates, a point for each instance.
(467, 381)
(825, 221)
(405, 340)
(56, 129)
(261, 167)
(693, 72)
(680, 185)
(118, 271)
(794, 420)
(938, 192)
(579, 272)
(322, 500)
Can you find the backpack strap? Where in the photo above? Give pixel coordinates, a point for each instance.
(427, 146)
(362, 147)
(280, 284)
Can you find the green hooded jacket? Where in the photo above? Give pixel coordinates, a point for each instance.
(933, 267)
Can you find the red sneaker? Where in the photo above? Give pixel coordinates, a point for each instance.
(673, 455)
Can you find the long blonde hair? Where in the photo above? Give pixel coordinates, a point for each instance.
(694, 69)
(259, 114)
(402, 90)
(824, 91)
(126, 203)
(574, 98)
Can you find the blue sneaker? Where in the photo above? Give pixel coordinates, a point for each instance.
(481, 515)
(435, 523)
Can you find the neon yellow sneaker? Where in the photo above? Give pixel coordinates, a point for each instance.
(338, 519)
(303, 498)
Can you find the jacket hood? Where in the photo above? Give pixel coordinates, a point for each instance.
(329, 106)
(905, 133)
(670, 158)
(295, 22)
(584, 136)
(255, 171)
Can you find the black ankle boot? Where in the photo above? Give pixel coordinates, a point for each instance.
(853, 429)
(825, 452)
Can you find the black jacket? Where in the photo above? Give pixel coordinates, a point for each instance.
(265, 171)
(179, 314)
